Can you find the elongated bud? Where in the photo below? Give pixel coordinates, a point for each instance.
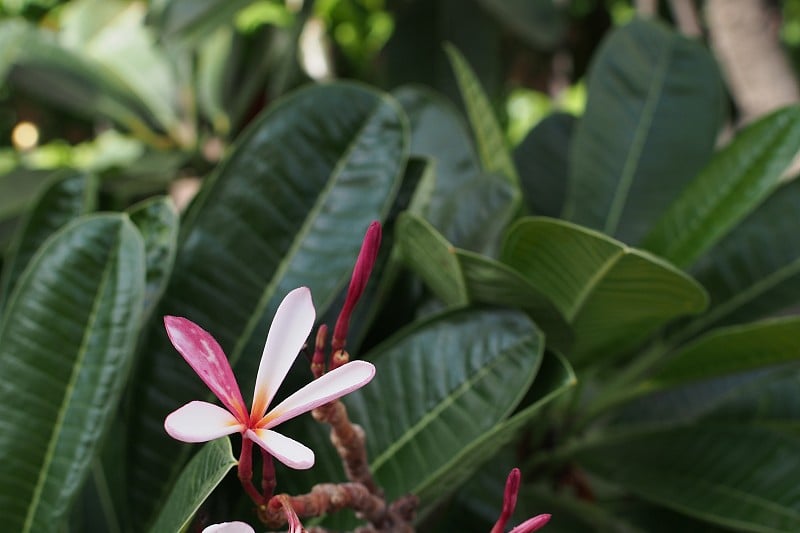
(532, 524)
(361, 271)
(509, 500)
(291, 516)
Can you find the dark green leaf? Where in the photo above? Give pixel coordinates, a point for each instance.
(540, 23)
(492, 148)
(732, 350)
(654, 109)
(200, 477)
(733, 475)
(439, 388)
(755, 270)
(459, 277)
(289, 207)
(157, 221)
(736, 181)
(69, 195)
(67, 338)
(429, 254)
(191, 21)
(541, 160)
(613, 296)
(554, 378)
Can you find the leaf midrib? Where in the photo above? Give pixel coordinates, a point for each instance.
(305, 229)
(70, 389)
(446, 402)
(637, 146)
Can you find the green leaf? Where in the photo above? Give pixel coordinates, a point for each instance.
(732, 350)
(553, 379)
(540, 23)
(755, 270)
(288, 208)
(614, 296)
(157, 221)
(494, 152)
(738, 476)
(67, 338)
(77, 82)
(439, 387)
(733, 184)
(191, 21)
(429, 254)
(197, 481)
(542, 161)
(68, 195)
(655, 106)
(469, 207)
(459, 277)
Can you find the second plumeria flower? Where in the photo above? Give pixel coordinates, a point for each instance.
(202, 421)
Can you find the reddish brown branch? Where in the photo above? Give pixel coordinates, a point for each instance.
(349, 440)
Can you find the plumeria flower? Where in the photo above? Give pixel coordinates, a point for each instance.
(229, 527)
(202, 421)
(510, 502)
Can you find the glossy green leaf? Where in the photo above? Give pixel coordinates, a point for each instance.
(492, 282)
(614, 296)
(429, 254)
(68, 195)
(191, 21)
(553, 379)
(540, 23)
(734, 183)
(459, 277)
(731, 350)
(542, 162)
(755, 270)
(653, 94)
(157, 222)
(494, 152)
(469, 207)
(288, 208)
(197, 480)
(734, 475)
(439, 388)
(67, 338)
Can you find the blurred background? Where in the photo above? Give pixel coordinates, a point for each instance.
(149, 95)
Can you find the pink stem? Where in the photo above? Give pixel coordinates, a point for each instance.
(246, 471)
(268, 480)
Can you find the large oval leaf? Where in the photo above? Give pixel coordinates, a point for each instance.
(613, 296)
(440, 387)
(69, 195)
(459, 277)
(731, 350)
(734, 183)
(66, 342)
(288, 208)
(655, 105)
(743, 477)
(755, 270)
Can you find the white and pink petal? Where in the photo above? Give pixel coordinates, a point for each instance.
(207, 359)
(330, 386)
(288, 451)
(201, 422)
(287, 334)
